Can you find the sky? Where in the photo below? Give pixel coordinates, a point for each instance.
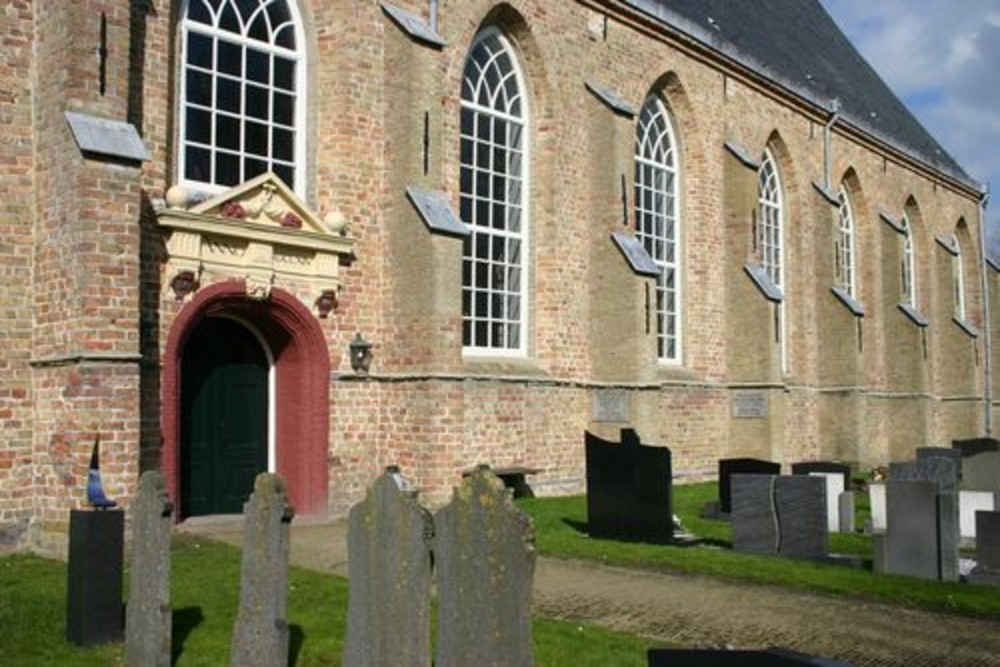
(942, 58)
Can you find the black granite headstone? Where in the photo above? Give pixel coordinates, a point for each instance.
(729, 467)
(94, 611)
(809, 467)
(780, 515)
(754, 524)
(629, 489)
(973, 446)
(773, 657)
(955, 455)
(912, 528)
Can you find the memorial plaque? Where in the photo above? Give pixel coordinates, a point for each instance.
(729, 467)
(436, 212)
(636, 255)
(611, 405)
(629, 489)
(749, 405)
(106, 137)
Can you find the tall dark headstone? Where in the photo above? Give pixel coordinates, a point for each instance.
(730, 467)
(783, 515)
(809, 467)
(94, 583)
(148, 619)
(754, 523)
(629, 489)
(952, 454)
(987, 570)
(389, 567)
(912, 528)
(484, 555)
(260, 634)
(941, 471)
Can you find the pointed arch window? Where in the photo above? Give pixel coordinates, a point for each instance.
(845, 261)
(657, 220)
(958, 280)
(241, 94)
(493, 182)
(770, 239)
(908, 266)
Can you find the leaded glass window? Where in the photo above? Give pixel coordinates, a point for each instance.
(908, 265)
(493, 183)
(241, 92)
(656, 218)
(769, 225)
(844, 256)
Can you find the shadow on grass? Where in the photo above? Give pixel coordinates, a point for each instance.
(583, 529)
(296, 637)
(184, 622)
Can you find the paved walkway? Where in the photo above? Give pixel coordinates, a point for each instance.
(697, 611)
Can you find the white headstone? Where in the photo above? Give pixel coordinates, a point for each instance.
(834, 487)
(876, 499)
(968, 503)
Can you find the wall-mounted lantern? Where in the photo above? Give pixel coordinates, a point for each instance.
(361, 354)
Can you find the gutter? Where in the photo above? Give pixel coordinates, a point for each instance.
(828, 144)
(987, 324)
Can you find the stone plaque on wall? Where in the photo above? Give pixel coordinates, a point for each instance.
(749, 405)
(610, 405)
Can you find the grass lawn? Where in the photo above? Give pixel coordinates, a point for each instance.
(560, 531)
(205, 590)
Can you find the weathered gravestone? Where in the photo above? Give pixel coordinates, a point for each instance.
(260, 634)
(952, 454)
(945, 531)
(846, 505)
(628, 489)
(772, 657)
(484, 556)
(730, 467)
(148, 618)
(389, 567)
(987, 570)
(780, 515)
(919, 540)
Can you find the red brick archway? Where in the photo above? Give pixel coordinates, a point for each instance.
(302, 368)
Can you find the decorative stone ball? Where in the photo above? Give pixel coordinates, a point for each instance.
(177, 196)
(336, 222)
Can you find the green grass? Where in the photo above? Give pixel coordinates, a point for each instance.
(204, 594)
(560, 531)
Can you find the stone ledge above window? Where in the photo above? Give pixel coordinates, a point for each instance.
(825, 192)
(949, 243)
(742, 155)
(636, 255)
(609, 97)
(992, 263)
(260, 232)
(436, 212)
(966, 327)
(849, 301)
(413, 25)
(913, 315)
(764, 283)
(890, 220)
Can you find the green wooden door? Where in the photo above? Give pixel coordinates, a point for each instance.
(223, 417)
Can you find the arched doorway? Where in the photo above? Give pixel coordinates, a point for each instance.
(298, 411)
(224, 416)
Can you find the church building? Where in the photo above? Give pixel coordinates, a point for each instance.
(320, 237)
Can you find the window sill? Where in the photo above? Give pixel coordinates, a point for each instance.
(485, 364)
(913, 315)
(764, 283)
(849, 302)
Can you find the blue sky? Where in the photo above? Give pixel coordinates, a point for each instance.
(942, 58)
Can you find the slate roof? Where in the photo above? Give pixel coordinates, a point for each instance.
(797, 45)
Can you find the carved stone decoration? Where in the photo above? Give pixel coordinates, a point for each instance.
(184, 283)
(259, 232)
(326, 302)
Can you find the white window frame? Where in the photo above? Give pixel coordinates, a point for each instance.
(471, 318)
(298, 56)
(771, 238)
(908, 270)
(845, 247)
(958, 280)
(659, 156)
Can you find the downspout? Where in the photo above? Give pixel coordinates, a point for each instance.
(433, 14)
(987, 324)
(828, 144)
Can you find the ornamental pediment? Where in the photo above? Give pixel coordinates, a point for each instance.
(259, 231)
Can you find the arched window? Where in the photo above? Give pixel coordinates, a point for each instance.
(958, 279)
(493, 183)
(770, 238)
(908, 265)
(844, 256)
(656, 218)
(241, 92)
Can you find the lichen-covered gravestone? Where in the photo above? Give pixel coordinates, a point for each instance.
(260, 635)
(485, 558)
(389, 565)
(148, 615)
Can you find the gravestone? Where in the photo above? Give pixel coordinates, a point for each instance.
(628, 489)
(876, 500)
(970, 502)
(846, 505)
(987, 570)
(772, 657)
(981, 471)
(954, 455)
(484, 555)
(389, 568)
(973, 446)
(949, 537)
(148, 618)
(743, 466)
(941, 471)
(94, 577)
(912, 533)
(834, 484)
(779, 515)
(260, 633)
(810, 467)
